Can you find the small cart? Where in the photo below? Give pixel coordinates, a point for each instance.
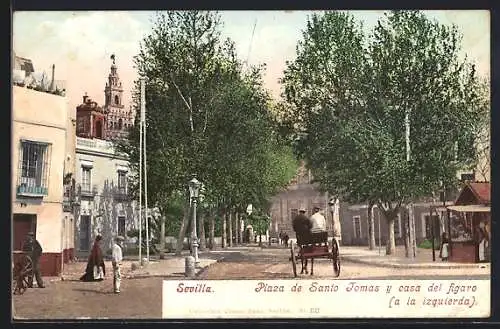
(312, 246)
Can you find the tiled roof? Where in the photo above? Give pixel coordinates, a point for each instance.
(482, 191)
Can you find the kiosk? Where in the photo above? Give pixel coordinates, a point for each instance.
(469, 223)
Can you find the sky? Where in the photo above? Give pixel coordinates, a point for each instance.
(80, 43)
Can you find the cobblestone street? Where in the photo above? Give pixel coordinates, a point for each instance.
(141, 297)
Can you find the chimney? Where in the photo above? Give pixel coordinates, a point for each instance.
(85, 98)
(53, 74)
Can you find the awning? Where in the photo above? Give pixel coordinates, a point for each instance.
(470, 208)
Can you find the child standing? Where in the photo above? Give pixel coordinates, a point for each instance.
(117, 262)
(443, 252)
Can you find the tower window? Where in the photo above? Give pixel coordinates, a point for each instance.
(117, 100)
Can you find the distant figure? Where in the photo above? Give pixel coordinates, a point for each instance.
(33, 249)
(95, 270)
(482, 241)
(443, 252)
(301, 225)
(117, 263)
(318, 221)
(285, 239)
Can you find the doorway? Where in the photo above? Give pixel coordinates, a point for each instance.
(22, 225)
(84, 232)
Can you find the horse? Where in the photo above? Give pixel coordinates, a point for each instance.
(308, 242)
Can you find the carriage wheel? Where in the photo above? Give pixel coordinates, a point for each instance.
(28, 265)
(21, 280)
(335, 257)
(294, 260)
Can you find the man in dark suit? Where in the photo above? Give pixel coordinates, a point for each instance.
(301, 225)
(33, 249)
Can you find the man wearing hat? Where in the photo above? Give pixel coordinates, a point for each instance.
(33, 249)
(117, 258)
(318, 221)
(301, 225)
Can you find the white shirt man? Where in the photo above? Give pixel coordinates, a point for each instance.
(318, 222)
(117, 258)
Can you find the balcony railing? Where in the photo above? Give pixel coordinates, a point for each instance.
(120, 193)
(24, 189)
(85, 190)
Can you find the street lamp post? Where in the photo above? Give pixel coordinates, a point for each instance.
(194, 188)
(249, 212)
(331, 203)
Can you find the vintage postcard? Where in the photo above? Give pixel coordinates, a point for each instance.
(251, 164)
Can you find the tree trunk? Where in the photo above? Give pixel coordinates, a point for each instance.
(230, 228)
(413, 238)
(162, 237)
(236, 227)
(212, 231)
(201, 225)
(224, 230)
(182, 231)
(407, 236)
(391, 243)
(371, 226)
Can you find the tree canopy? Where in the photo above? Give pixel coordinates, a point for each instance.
(206, 114)
(348, 97)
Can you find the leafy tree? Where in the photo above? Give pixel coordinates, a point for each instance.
(260, 224)
(205, 116)
(353, 133)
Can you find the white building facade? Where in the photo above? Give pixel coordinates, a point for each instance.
(104, 206)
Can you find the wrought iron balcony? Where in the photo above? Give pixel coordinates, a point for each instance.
(27, 190)
(120, 194)
(86, 191)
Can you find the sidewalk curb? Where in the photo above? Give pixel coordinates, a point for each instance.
(352, 259)
(198, 273)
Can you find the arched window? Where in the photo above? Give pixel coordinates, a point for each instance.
(120, 124)
(117, 100)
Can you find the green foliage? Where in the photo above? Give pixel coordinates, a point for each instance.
(205, 116)
(348, 97)
(349, 102)
(260, 222)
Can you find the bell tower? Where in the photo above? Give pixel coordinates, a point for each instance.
(119, 119)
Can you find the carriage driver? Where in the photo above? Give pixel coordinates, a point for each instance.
(32, 248)
(301, 224)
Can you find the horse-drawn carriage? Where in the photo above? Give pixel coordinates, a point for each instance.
(311, 246)
(22, 273)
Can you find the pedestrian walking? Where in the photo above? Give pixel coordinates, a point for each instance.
(95, 270)
(285, 239)
(33, 249)
(443, 251)
(117, 258)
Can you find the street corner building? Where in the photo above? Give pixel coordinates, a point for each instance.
(41, 157)
(102, 205)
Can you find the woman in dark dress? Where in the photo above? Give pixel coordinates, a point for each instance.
(95, 270)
